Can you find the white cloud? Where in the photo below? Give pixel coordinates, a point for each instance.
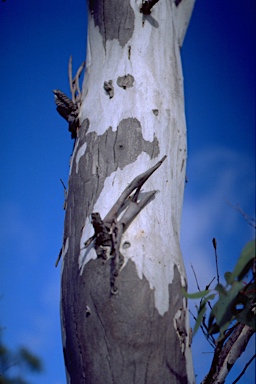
(215, 177)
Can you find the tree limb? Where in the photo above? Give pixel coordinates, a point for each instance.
(226, 355)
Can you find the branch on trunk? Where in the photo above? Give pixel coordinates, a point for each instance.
(109, 231)
(74, 82)
(225, 355)
(147, 5)
(177, 2)
(67, 108)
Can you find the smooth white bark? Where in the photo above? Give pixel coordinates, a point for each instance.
(154, 62)
(121, 137)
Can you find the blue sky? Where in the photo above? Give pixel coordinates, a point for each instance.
(37, 39)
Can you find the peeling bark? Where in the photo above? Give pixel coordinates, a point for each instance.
(141, 334)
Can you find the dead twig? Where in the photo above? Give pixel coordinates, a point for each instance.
(214, 242)
(204, 329)
(74, 82)
(147, 5)
(250, 220)
(245, 367)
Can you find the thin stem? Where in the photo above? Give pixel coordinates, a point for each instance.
(214, 242)
(245, 367)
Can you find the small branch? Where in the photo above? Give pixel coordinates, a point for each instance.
(58, 258)
(62, 182)
(65, 195)
(68, 110)
(208, 286)
(214, 242)
(204, 329)
(195, 277)
(135, 184)
(70, 79)
(250, 220)
(243, 371)
(147, 5)
(74, 82)
(109, 231)
(226, 354)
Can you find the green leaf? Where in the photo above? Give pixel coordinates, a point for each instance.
(247, 317)
(199, 319)
(245, 261)
(32, 361)
(201, 312)
(221, 290)
(197, 295)
(243, 307)
(229, 277)
(223, 309)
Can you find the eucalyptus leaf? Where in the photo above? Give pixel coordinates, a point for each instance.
(223, 309)
(221, 290)
(196, 295)
(201, 311)
(229, 277)
(245, 261)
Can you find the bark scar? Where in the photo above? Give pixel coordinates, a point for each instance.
(179, 324)
(109, 231)
(108, 86)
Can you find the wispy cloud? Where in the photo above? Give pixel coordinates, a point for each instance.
(215, 177)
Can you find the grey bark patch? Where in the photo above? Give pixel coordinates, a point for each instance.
(130, 142)
(104, 154)
(122, 340)
(125, 81)
(109, 17)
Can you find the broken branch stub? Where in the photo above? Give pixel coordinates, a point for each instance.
(109, 231)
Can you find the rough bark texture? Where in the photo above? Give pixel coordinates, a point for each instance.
(132, 115)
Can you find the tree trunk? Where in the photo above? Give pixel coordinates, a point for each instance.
(124, 318)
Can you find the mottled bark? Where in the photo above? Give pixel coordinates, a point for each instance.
(132, 115)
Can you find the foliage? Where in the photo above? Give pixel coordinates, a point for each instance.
(236, 299)
(14, 365)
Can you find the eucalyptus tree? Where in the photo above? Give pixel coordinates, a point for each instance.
(124, 317)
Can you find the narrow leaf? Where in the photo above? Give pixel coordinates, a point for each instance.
(197, 295)
(245, 261)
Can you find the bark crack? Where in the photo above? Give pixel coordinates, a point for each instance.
(105, 337)
(114, 149)
(150, 349)
(80, 348)
(104, 24)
